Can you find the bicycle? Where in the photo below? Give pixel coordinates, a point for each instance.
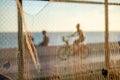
(68, 50)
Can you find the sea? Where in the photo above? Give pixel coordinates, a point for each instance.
(10, 39)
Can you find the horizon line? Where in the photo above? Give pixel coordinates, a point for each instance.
(56, 31)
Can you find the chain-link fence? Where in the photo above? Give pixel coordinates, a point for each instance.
(59, 60)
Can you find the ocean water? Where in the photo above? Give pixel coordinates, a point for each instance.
(10, 40)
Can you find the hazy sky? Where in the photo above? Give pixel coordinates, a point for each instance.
(58, 16)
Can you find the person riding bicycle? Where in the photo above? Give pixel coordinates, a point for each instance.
(75, 49)
(80, 39)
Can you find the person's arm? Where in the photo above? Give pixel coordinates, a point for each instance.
(73, 34)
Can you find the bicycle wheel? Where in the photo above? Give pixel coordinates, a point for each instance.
(64, 53)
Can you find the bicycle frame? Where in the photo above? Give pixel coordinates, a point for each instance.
(74, 49)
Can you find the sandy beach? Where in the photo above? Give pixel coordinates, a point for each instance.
(53, 68)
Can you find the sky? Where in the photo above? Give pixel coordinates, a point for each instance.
(58, 16)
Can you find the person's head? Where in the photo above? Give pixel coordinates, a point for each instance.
(78, 26)
(44, 32)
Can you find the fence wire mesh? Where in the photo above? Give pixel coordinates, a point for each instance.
(60, 19)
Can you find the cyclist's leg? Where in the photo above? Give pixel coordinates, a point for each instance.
(76, 47)
(84, 45)
(84, 50)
